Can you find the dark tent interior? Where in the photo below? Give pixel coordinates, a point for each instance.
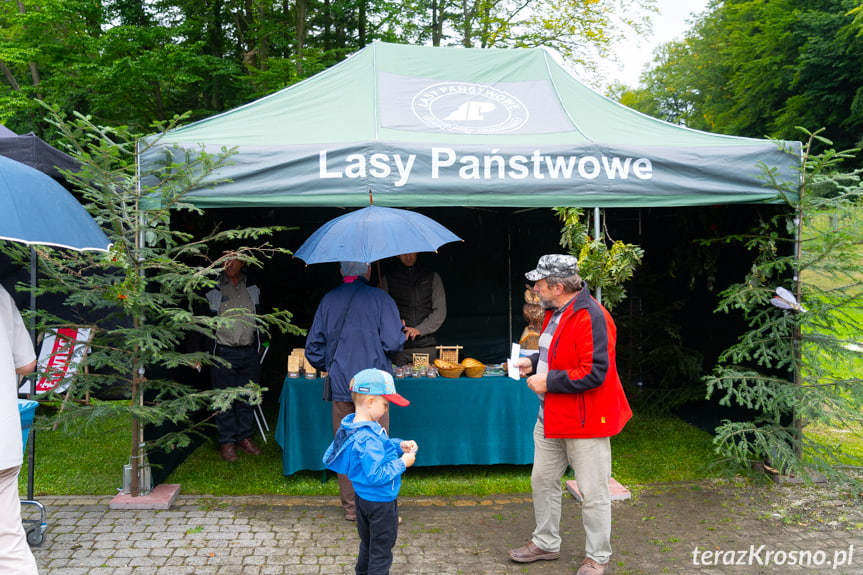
(668, 334)
(674, 290)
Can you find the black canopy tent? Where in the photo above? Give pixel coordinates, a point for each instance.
(33, 151)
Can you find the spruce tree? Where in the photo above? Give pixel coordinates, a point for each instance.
(143, 298)
(799, 362)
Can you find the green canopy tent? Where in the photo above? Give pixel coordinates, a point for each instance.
(432, 128)
(443, 128)
(422, 126)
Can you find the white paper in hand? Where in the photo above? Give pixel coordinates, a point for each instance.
(513, 357)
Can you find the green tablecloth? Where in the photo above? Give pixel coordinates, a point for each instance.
(462, 421)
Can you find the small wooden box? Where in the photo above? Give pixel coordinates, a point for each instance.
(296, 360)
(448, 352)
(307, 367)
(293, 366)
(421, 360)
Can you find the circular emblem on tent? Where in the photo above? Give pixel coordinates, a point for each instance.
(466, 108)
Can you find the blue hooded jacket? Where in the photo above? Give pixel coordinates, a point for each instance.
(369, 458)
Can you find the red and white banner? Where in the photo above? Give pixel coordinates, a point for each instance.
(59, 357)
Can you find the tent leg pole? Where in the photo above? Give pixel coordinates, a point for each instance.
(509, 276)
(596, 232)
(33, 265)
(31, 449)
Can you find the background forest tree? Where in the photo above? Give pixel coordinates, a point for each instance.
(745, 67)
(134, 62)
(754, 68)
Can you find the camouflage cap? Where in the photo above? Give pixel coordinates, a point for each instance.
(558, 265)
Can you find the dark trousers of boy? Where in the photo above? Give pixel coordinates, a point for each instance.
(238, 422)
(378, 527)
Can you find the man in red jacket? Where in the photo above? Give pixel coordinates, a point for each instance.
(582, 405)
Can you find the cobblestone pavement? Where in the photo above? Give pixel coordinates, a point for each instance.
(690, 528)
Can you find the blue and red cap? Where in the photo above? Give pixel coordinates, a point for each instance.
(377, 382)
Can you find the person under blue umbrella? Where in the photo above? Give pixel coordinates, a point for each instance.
(419, 294)
(356, 327)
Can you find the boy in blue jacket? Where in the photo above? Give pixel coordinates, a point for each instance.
(374, 463)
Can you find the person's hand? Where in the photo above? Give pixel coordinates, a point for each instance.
(26, 369)
(409, 459)
(409, 446)
(525, 366)
(537, 383)
(411, 332)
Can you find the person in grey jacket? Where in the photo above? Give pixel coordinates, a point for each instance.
(238, 343)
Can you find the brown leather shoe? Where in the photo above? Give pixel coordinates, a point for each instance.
(530, 553)
(229, 452)
(591, 567)
(249, 446)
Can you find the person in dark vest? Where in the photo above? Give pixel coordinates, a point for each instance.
(419, 294)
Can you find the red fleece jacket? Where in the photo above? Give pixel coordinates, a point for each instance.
(585, 397)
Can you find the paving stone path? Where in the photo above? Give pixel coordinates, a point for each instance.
(706, 528)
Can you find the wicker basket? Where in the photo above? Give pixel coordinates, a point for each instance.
(451, 372)
(474, 371)
(473, 367)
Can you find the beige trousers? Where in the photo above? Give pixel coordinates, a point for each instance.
(15, 555)
(591, 461)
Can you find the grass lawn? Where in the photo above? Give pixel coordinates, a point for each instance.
(848, 438)
(90, 461)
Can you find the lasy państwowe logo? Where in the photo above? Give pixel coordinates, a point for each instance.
(468, 108)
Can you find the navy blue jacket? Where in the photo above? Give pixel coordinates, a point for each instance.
(372, 331)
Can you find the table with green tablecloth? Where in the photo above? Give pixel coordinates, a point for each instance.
(463, 421)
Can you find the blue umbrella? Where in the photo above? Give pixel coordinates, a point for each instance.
(372, 234)
(38, 210)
